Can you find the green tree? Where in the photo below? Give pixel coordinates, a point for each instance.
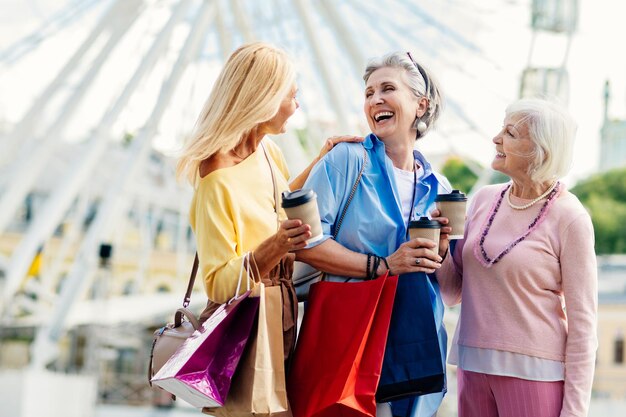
(604, 196)
(458, 173)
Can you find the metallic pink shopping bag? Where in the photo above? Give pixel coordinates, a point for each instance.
(201, 370)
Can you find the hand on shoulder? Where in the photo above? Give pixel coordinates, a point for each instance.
(334, 140)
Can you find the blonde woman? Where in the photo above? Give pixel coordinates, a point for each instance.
(237, 172)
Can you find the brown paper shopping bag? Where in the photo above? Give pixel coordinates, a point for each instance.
(258, 387)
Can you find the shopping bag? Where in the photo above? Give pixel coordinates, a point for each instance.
(413, 364)
(338, 357)
(258, 387)
(201, 370)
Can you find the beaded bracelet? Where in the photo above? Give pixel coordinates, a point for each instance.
(387, 265)
(375, 265)
(367, 268)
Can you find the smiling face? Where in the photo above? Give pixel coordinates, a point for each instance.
(514, 149)
(278, 123)
(390, 106)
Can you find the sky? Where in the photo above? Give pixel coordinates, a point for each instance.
(594, 56)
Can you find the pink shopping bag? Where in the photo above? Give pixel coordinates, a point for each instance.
(201, 370)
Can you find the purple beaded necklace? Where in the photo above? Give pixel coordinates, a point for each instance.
(479, 250)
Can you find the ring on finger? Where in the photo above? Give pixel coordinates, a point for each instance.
(417, 261)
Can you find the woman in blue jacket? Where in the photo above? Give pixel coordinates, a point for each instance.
(402, 102)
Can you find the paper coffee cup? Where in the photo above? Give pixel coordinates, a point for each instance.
(302, 205)
(453, 207)
(427, 229)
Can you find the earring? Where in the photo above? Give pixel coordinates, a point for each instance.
(420, 125)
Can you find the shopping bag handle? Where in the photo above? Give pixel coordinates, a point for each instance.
(246, 257)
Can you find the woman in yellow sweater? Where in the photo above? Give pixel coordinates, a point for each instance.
(237, 172)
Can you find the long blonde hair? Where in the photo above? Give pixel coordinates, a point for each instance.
(248, 91)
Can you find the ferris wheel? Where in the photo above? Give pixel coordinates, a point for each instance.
(553, 24)
(84, 179)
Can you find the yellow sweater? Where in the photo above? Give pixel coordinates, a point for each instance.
(232, 212)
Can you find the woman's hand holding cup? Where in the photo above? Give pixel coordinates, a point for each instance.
(416, 255)
(444, 233)
(292, 235)
(302, 205)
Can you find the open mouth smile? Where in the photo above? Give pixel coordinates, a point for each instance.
(383, 115)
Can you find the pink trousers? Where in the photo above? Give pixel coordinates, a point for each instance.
(483, 395)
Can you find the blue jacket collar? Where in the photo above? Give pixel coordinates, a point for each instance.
(371, 141)
(368, 143)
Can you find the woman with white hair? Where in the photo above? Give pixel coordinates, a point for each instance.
(237, 172)
(526, 276)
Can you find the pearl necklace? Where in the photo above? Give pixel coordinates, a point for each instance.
(527, 205)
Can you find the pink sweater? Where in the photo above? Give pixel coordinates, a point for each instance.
(518, 304)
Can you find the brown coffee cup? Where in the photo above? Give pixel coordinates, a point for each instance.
(302, 204)
(427, 229)
(453, 207)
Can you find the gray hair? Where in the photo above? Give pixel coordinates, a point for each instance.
(419, 79)
(552, 130)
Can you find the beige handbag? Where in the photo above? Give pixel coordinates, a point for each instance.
(168, 338)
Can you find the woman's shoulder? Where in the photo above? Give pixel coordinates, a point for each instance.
(212, 164)
(570, 218)
(347, 150)
(569, 206)
(344, 155)
(216, 181)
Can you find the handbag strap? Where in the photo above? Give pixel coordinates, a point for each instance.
(192, 280)
(276, 197)
(345, 208)
(354, 187)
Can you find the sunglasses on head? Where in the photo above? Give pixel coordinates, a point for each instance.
(422, 72)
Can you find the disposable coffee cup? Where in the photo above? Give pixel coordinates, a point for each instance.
(453, 207)
(427, 229)
(302, 204)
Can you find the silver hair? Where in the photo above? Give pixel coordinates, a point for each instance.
(552, 130)
(420, 79)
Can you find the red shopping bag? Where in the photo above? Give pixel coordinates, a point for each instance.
(340, 350)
